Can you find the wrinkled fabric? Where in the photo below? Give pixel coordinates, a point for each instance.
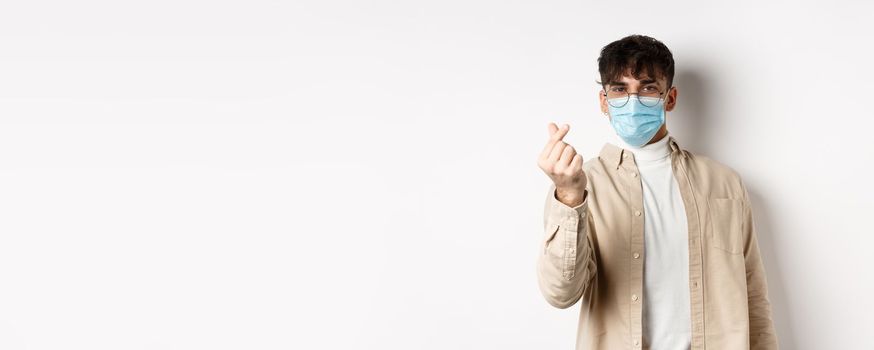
(593, 254)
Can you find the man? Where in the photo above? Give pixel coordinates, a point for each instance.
(658, 242)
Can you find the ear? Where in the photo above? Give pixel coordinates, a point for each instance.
(671, 99)
(603, 100)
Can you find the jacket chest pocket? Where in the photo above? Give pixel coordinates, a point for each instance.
(725, 215)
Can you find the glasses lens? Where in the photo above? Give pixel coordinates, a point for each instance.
(617, 98)
(649, 101)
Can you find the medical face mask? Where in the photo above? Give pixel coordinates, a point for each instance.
(635, 122)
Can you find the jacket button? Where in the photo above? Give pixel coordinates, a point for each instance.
(636, 255)
(637, 212)
(634, 297)
(633, 174)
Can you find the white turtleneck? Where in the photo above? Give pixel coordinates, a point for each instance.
(666, 306)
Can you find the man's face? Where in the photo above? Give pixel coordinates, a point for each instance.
(631, 85)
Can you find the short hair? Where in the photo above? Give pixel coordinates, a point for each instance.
(640, 53)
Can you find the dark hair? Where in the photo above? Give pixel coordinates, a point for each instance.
(641, 54)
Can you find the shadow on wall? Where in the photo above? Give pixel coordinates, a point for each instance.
(693, 113)
(694, 120)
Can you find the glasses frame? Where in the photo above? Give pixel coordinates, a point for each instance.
(662, 94)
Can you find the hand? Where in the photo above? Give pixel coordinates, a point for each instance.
(564, 166)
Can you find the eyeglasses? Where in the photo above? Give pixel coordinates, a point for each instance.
(617, 96)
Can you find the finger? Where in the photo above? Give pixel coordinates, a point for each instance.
(577, 163)
(561, 132)
(552, 128)
(555, 137)
(555, 152)
(567, 155)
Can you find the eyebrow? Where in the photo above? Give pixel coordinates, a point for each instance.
(642, 82)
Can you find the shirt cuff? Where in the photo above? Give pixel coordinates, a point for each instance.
(567, 211)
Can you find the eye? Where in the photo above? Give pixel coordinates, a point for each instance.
(617, 89)
(650, 88)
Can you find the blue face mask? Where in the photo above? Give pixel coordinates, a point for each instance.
(636, 123)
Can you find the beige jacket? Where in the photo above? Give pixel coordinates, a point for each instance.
(595, 252)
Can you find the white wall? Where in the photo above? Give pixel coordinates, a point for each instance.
(362, 175)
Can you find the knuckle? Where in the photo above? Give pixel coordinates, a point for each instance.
(548, 168)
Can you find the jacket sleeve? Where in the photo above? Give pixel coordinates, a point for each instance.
(566, 263)
(763, 335)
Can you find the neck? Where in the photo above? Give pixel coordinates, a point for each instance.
(660, 135)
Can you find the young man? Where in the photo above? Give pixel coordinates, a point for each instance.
(658, 242)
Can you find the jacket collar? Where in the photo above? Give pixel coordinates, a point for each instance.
(614, 154)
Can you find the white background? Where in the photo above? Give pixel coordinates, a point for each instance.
(362, 175)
